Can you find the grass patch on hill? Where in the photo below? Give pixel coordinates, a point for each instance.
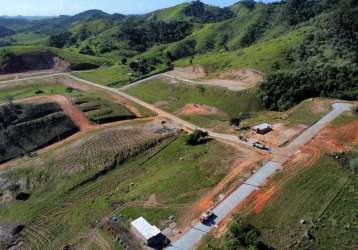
(176, 96)
(303, 113)
(260, 56)
(115, 76)
(99, 109)
(305, 196)
(20, 92)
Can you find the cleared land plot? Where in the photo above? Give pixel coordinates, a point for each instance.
(27, 127)
(213, 107)
(100, 110)
(315, 192)
(235, 79)
(174, 96)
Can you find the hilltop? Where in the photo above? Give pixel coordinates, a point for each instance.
(282, 40)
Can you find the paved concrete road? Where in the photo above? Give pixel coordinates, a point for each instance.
(193, 236)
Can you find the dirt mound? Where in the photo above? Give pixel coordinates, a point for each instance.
(197, 109)
(32, 62)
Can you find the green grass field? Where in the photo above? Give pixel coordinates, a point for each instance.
(260, 56)
(41, 88)
(115, 76)
(176, 96)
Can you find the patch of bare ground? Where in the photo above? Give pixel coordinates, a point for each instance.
(67, 106)
(190, 72)
(198, 109)
(279, 136)
(329, 140)
(241, 169)
(234, 79)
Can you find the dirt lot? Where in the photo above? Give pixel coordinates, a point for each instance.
(279, 136)
(198, 109)
(66, 105)
(235, 79)
(329, 140)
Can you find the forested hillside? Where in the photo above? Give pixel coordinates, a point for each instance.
(306, 48)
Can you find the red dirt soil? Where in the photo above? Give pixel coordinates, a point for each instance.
(197, 109)
(84, 87)
(223, 188)
(66, 105)
(329, 140)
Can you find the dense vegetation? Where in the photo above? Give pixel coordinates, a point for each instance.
(325, 63)
(307, 48)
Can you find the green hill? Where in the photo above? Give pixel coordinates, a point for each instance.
(284, 40)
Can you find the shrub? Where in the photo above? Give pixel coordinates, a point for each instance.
(196, 137)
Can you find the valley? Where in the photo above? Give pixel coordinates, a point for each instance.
(223, 127)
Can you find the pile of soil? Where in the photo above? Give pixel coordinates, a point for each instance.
(197, 109)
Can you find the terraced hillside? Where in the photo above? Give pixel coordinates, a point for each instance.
(27, 127)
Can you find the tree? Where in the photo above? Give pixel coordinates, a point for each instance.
(235, 121)
(299, 11)
(196, 137)
(59, 40)
(87, 50)
(124, 60)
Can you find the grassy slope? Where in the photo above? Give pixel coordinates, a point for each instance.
(69, 214)
(306, 196)
(115, 76)
(177, 96)
(170, 14)
(261, 55)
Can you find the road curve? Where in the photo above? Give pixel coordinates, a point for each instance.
(193, 236)
(182, 123)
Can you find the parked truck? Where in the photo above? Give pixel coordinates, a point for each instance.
(204, 217)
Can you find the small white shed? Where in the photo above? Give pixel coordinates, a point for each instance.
(142, 229)
(262, 128)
